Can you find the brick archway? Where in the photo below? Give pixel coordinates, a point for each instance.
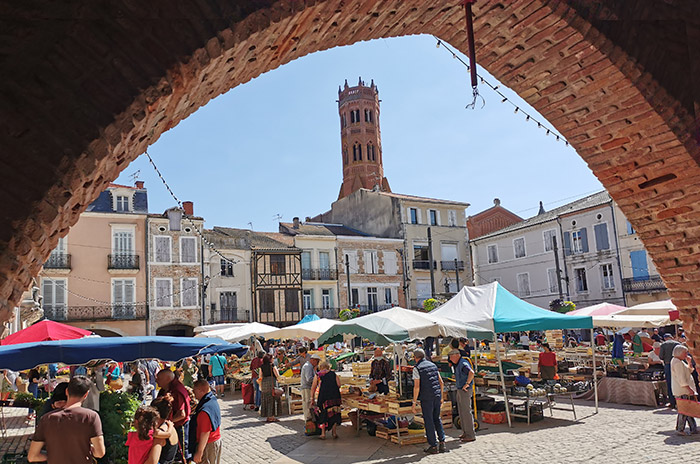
(89, 87)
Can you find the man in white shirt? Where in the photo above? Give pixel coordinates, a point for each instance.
(308, 372)
(525, 341)
(653, 358)
(683, 387)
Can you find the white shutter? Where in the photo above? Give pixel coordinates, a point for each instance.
(420, 219)
(390, 264)
(60, 293)
(162, 249)
(189, 292)
(452, 218)
(368, 262)
(118, 291)
(128, 291)
(352, 261)
(163, 293)
(47, 291)
(437, 214)
(188, 252)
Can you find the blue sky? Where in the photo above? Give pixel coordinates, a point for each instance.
(272, 146)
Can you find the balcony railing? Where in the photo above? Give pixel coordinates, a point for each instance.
(652, 284)
(319, 274)
(123, 312)
(230, 315)
(58, 261)
(368, 309)
(423, 264)
(450, 265)
(328, 313)
(123, 261)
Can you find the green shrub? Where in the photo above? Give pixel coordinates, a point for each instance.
(117, 414)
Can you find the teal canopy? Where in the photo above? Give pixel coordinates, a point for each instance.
(492, 307)
(308, 318)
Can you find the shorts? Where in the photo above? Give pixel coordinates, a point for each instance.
(220, 380)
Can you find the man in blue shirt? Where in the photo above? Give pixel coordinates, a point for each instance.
(464, 378)
(218, 371)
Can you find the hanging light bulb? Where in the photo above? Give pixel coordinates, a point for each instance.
(527, 118)
(504, 100)
(516, 110)
(437, 45)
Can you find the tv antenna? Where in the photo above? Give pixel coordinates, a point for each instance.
(251, 225)
(135, 176)
(277, 217)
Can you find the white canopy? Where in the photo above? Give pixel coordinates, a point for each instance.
(654, 314)
(210, 327)
(242, 332)
(311, 330)
(666, 305)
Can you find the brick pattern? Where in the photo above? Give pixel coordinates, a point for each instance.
(83, 97)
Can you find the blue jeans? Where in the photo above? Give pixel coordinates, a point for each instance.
(667, 373)
(34, 390)
(258, 393)
(431, 416)
(183, 434)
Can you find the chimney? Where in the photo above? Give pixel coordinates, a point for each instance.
(496, 202)
(188, 206)
(308, 218)
(139, 184)
(296, 222)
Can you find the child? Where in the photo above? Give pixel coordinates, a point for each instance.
(140, 442)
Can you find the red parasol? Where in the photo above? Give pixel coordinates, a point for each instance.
(45, 331)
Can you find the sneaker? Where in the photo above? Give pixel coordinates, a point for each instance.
(681, 433)
(431, 450)
(223, 395)
(257, 408)
(441, 447)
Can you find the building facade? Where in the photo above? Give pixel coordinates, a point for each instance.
(641, 282)
(95, 278)
(175, 271)
(491, 220)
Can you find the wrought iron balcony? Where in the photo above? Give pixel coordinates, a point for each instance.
(319, 274)
(651, 284)
(328, 313)
(450, 265)
(124, 311)
(123, 261)
(423, 264)
(229, 315)
(368, 309)
(58, 261)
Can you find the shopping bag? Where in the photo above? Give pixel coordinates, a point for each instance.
(688, 407)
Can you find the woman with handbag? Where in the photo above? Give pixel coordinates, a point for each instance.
(267, 375)
(328, 386)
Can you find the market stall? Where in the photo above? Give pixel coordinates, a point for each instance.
(310, 330)
(493, 308)
(239, 333)
(44, 331)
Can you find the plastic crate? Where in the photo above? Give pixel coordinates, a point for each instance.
(493, 417)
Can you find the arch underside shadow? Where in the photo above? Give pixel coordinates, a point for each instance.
(103, 91)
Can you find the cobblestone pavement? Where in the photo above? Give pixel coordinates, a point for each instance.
(618, 433)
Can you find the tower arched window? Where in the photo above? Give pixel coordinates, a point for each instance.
(356, 115)
(352, 117)
(359, 152)
(370, 152)
(354, 152)
(345, 155)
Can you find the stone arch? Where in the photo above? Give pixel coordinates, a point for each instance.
(175, 328)
(87, 97)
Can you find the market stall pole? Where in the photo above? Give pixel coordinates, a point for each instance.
(595, 374)
(503, 381)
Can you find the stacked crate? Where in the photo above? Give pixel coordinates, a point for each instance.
(555, 338)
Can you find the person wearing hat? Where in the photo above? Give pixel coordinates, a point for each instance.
(464, 381)
(308, 372)
(666, 355)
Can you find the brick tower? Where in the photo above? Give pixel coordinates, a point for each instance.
(361, 141)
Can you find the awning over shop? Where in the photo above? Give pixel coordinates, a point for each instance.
(493, 308)
(311, 330)
(242, 332)
(45, 331)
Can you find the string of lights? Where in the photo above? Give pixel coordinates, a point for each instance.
(204, 239)
(504, 98)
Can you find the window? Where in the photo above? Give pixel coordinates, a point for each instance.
(345, 155)
(372, 298)
(452, 218)
(552, 278)
(388, 299)
(421, 257)
(267, 301)
(390, 263)
(54, 298)
(326, 298)
(354, 152)
(640, 268)
(189, 289)
(356, 115)
(630, 229)
(291, 300)
(277, 265)
(306, 260)
(164, 293)
(228, 301)
(581, 281)
(188, 250)
(370, 152)
(414, 215)
(493, 253)
(352, 117)
(549, 237)
(122, 242)
(579, 241)
(226, 268)
(324, 260)
(433, 217)
(519, 247)
(601, 237)
(371, 262)
(306, 299)
(368, 116)
(60, 249)
(122, 204)
(359, 152)
(355, 297)
(161, 249)
(448, 255)
(524, 284)
(343, 121)
(123, 293)
(607, 276)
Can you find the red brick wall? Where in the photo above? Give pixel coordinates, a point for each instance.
(84, 96)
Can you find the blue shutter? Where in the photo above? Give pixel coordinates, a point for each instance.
(630, 229)
(584, 240)
(601, 237)
(640, 270)
(567, 243)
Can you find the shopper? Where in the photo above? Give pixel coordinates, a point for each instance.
(666, 355)
(308, 373)
(547, 364)
(464, 349)
(380, 372)
(205, 430)
(267, 375)
(140, 441)
(218, 371)
(428, 387)
(653, 359)
(464, 381)
(683, 387)
(189, 372)
(329, 400)
(180, 415)
(69, 435)
(637, 346)
(165, 438)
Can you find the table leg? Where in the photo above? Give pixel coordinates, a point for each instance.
(573, 408)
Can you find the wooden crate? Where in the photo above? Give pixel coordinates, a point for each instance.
(409, 439)
(399, 408)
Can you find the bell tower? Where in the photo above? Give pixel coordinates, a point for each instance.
(361, 140)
